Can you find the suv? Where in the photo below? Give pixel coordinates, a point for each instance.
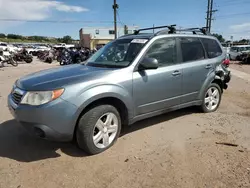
(237, 52)
(131, 78)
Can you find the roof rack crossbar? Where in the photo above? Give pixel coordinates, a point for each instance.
(193, 30)
(170, 27)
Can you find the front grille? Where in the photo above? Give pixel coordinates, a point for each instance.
(16, 97)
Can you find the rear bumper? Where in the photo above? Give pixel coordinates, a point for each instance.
(52, 121)
(227, 77)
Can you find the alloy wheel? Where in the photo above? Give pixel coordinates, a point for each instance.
(105, 130)
(212, 98)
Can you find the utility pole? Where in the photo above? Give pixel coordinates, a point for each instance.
(115, 7)
(208, 9)
(210, 14)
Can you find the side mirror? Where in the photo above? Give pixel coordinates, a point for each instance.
(148, 63)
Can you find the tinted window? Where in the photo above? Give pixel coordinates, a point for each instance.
(212, 47)
(192, 49)
(111, 32)
(164, 50)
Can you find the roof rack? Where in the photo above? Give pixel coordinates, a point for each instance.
(171, 29)
(202, 30)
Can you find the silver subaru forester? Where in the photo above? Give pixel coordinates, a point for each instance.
(131, 78)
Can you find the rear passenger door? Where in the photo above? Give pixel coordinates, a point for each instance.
(195, 67)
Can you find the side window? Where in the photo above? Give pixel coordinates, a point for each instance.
(164, 50)
(192, 49)
(212, 47)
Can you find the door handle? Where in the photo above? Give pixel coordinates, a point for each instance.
(176, 73)
(208, 66)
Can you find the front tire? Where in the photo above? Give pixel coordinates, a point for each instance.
(98, 129)
(211, 98)
(13, 62)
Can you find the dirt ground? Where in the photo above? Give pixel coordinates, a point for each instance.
(240, 67)
(174, 150)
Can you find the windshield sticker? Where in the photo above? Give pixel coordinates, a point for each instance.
(141, 41)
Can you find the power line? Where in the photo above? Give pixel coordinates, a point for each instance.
(232, 15)
(119, 18)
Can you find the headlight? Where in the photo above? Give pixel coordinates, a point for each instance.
(41, 97)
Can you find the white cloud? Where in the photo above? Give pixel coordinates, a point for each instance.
(240, 27)
(33, 9)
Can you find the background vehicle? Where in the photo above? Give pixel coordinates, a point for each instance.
(236, 51)
(34, 49)
(23, 56)
(3, 46)
(129, 79)
(7, 57)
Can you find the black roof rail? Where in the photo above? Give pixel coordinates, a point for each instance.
(170, 27)
(196, 30)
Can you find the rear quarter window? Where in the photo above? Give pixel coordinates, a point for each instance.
(212, 47)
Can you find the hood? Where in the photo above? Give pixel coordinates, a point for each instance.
(58, 77)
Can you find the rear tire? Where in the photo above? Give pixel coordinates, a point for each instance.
(211, 98)
(98, 129)
(29, 60)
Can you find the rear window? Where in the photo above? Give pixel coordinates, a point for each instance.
(212, 47)
(192, 49)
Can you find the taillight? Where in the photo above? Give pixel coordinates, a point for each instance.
(226, 62)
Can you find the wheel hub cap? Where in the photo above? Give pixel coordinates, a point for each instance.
(105, 129)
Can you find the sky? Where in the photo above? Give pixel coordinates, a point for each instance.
(231, 19)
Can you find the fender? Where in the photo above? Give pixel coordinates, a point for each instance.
(102, 91)
(210, 78)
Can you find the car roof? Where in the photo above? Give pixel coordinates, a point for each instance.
(239, 46)
(139, 36)
(152, 35)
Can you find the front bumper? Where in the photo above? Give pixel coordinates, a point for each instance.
(52, 121)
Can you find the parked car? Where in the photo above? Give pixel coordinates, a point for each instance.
(63, 45)
(3, 46)
(236, 51)
(34, 49)
(11, 48)
(131, 78)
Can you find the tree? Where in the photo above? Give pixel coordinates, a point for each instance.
(244, 41)
(66, 39)
(14, 36)
(219, 37)
(2, 35)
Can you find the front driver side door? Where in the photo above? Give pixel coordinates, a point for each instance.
(160, 88)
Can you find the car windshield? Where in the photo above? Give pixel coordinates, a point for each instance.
(119, 53)
(238, 49)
